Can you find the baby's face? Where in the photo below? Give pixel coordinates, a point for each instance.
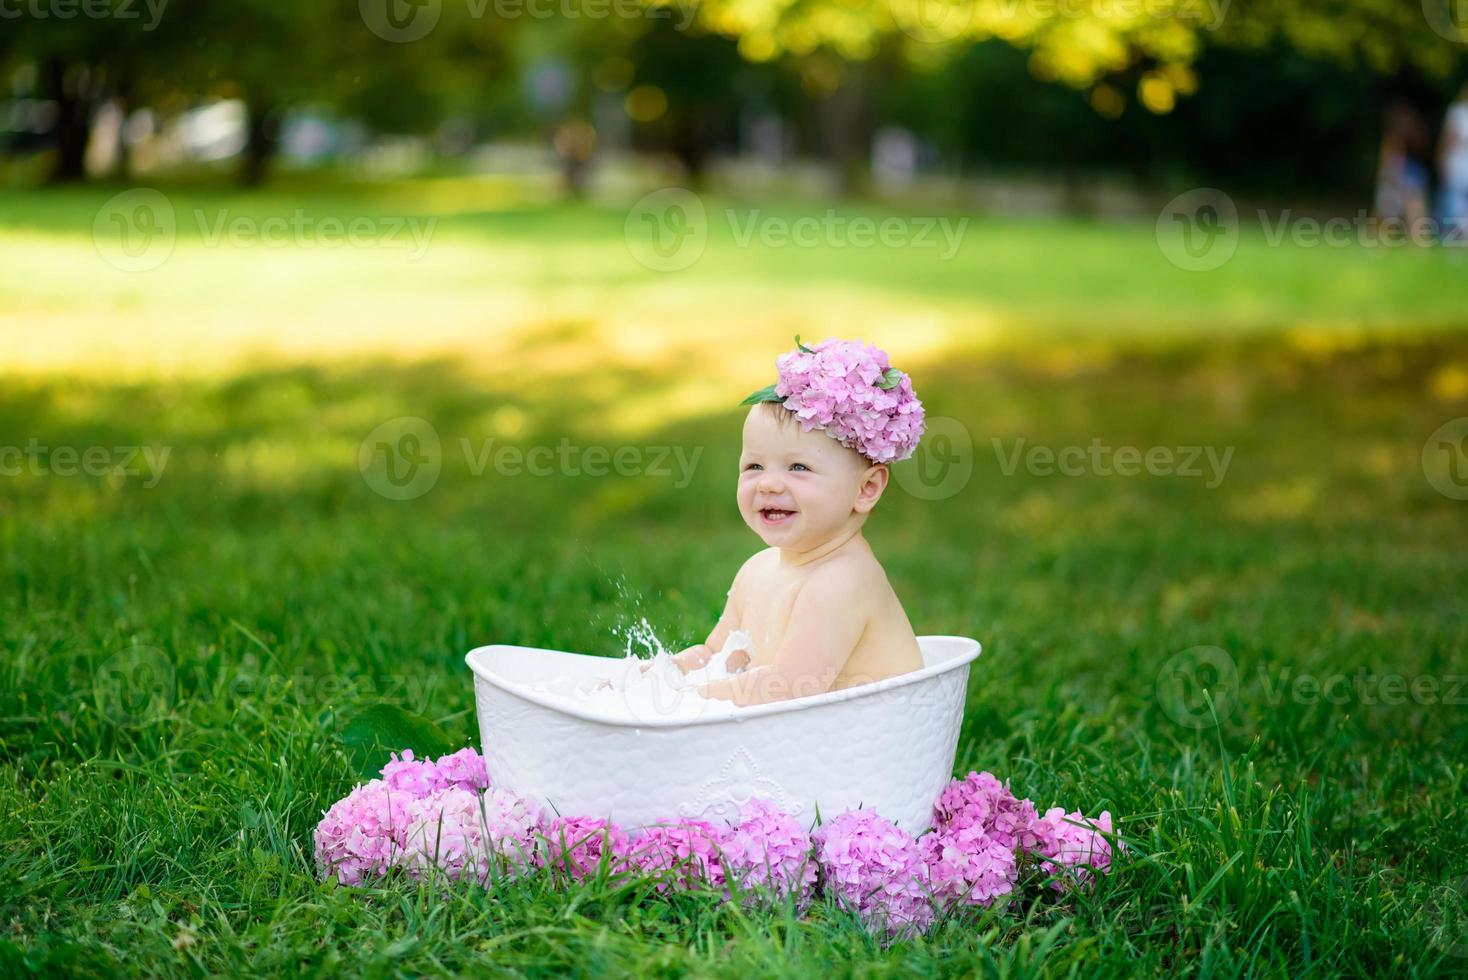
(799, 489)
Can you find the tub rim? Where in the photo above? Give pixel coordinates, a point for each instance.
(735, 714)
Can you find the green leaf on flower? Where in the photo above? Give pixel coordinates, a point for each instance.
(765, 394)
(378, 730)
(891, 378)
(801, 347)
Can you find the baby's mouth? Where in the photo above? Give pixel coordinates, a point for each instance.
(775, 515)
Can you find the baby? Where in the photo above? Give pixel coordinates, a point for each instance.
(816, 605)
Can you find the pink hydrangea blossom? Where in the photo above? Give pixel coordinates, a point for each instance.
(968, 866)
(364, 833)
(463, 769)
(980, 800)
(1072, 845)
(683, 854)
(577, 846)
(876, 869)
(416, 777)
(424, 815)
(767, 854)
(470, 835)
(836, 386)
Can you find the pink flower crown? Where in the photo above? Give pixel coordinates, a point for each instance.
(848, 389)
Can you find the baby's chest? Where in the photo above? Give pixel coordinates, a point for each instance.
(765, 615)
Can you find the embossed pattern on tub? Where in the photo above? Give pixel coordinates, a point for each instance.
(887, 746)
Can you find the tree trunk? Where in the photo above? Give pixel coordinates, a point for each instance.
(73, 123)
(690, 144)
(846, 122)
(260, 143)
(123, 170)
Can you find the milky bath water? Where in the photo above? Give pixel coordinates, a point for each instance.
(645, 688)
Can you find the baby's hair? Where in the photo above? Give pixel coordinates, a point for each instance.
(782, 414)
(785, 417)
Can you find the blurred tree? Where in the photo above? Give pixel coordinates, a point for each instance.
(81, 60)
(268, 53)
(1277, 121)
(1082, 43)
(685, 92)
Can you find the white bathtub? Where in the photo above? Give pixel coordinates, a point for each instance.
(886, 746)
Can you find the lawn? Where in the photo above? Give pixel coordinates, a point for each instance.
(270, 591)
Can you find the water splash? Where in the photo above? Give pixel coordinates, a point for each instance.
(641, 635)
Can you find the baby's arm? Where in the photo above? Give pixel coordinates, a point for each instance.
(826, 623)
(699, 654)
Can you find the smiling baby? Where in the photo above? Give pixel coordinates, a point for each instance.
(815, 604)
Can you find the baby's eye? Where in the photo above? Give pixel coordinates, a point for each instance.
(799, 466)
(752, 466)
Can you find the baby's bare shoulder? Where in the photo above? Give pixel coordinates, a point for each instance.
(850, 575)
(760, 559)
(754, 565)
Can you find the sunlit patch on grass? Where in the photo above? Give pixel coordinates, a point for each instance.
(1449, 383)
(1286, 499)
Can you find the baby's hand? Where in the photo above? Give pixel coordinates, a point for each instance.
(691, 658)
(738, 660)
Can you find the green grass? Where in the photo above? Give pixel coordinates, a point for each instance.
(283, 595)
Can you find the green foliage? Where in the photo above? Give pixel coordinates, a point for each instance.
(765, 394)
(374, 732)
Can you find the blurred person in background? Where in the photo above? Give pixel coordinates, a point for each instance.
(1402, 174)
(1452, 169)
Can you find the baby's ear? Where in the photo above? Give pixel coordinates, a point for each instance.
(873, 482)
